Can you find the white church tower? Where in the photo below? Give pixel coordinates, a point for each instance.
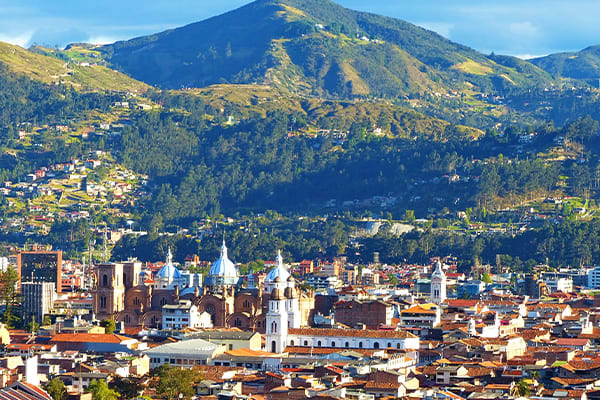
(277, 321)
(438, 284)
(292, 303)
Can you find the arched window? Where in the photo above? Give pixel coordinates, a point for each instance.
(103, 302)
(346, 345)
(238, 323)
(273, 327)
(136, 301)
(291, 342)
(127, 319)
(306, 342)
(376, 345)
(153, 320)
(163, 301)
(397, 345)
(319, 343)
(332, 344)
(273, 347)
(105, 280)
(124, 278)
(389, 344)
(360, 345)
(246, 304)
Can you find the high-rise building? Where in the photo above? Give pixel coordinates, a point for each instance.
(40, 266)
(38, 300)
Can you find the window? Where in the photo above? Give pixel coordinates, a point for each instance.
(306, 342)
(127, 319)
(230, 347)
(246, 304)
(237, 323)
(360, 345)
(319, 343)
(332, 344)
(376, 345)
(273, 347)
(104, 280)
(136, 301)
(346, 345)
(397, 345)
(389, 344)
(163, 301)
(291, 342)
(103, 302)
(274, 327)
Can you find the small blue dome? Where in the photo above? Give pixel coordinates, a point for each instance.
(223, 267)
(279, 271)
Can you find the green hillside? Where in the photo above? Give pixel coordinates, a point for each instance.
(51, 70)
(316, 47)
(584, 64)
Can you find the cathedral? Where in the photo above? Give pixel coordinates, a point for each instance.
(123, 293)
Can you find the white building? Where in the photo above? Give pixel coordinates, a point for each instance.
(38, 300)
(184, 315)
(564, 285)
(421, 315)
(438, 284)
(169, 277)
(185, 353)
(352, 338)
(594, 278)
(284, 308)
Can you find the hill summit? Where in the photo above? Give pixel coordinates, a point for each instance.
(315, 47)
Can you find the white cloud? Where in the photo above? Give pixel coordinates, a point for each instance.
(442, 28)
(20, 39)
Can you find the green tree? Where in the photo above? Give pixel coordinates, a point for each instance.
(8, 295)
(176, 383)
(409, 216)
(523, 388)
(56, 389)
(33, 326)
(101, 391)
(486, 278)
(109, 325)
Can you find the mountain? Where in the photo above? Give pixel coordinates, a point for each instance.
(51, 70)
(316, 47)
(584, 64)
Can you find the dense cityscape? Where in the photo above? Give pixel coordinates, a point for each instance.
(296, 200)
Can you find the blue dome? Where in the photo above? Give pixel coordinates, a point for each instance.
(169, 271)
(279, 271)
(223, 267)
(189, 290)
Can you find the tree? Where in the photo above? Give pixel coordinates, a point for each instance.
(486, 278)
(8, 295)
(109, 325)
(33, 326)
(409, 216)
(176, 383)
(56, 389)
(523, 388)
(100, 391)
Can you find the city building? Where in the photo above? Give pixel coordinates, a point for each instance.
(40, 266)
(38, 300)
(184, 315)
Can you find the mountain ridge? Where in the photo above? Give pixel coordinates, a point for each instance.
(315, 47)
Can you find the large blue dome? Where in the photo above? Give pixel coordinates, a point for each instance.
(223, 267)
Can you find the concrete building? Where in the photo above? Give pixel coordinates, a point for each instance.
(370, 313)
(185, 354)
(38, 300)
(184, 315)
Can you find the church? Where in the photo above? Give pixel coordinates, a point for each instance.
(122, 292)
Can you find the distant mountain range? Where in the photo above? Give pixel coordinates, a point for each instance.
(316, 47)
(584, 64)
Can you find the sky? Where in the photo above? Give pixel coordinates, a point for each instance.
(523, 28)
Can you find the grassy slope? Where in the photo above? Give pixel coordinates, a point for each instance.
(51, 70)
